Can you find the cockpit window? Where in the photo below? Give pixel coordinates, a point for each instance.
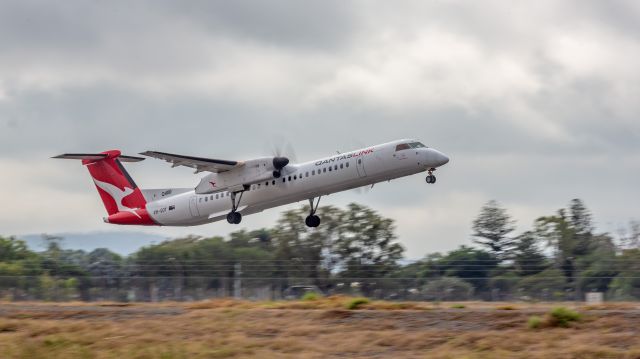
(406, 146)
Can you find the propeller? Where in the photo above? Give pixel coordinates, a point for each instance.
(283, 152)
(278, 164)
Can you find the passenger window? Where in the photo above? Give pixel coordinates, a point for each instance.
(335, 167)
(289, 178)
(341, 166)
(313, 173)
(216, 196)
(359, 160)
(295, 177)
(347, 164)
(306, 174)
(206, 199)
(324, 170)
(273, 182)
(329, 168)
(200, 200)
(283, 180)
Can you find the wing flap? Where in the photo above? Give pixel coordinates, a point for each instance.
(198, 163)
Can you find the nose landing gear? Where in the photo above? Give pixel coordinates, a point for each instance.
(312, 220)
(431, 179)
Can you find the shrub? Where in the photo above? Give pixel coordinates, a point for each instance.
(534, 322)
(310, 296)
(458, 306)
(562, 317)
(557, 317)
(356, 303)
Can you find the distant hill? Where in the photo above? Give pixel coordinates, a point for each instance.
(123, 243)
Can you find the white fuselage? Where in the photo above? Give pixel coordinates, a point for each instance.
(299, 182)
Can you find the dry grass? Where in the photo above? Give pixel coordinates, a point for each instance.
(311, 329)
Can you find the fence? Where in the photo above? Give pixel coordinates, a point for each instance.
(189, 280)
(192, 288)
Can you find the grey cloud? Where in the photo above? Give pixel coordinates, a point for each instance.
(327, 25)
(78, 76)
(80, 25)
(26, 24)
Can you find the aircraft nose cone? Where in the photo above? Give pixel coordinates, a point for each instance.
(442, 159)
(437, 158)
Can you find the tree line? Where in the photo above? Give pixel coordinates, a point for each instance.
(355, 250)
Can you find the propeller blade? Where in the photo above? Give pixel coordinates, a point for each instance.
(282, 148)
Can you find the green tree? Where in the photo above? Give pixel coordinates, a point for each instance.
(549, 284)
(626, 285)
(528, 258)
(471, 264)
(12, 249)
(596, 269)
(301, 252)
(570, 235)
(581, 223)
(365, 248)
(492, 228)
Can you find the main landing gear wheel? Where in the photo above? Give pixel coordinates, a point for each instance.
(235, 217)
(312, 220)
(431, 178)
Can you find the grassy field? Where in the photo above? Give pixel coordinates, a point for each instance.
(315, 329)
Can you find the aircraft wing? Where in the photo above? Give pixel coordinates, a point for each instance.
(198, 163)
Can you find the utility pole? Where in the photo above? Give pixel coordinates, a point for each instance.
(237, 282)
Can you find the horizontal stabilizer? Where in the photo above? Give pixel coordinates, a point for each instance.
(96, 157)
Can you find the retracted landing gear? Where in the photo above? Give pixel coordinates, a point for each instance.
(312, 220)
(235, 217)
(431, 179)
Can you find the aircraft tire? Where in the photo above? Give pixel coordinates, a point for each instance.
(309, 221)
(312, 221)
(237, 218)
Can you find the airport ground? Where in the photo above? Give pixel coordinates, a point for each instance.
(322, 328)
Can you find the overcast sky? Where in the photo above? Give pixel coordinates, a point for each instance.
(535, 103)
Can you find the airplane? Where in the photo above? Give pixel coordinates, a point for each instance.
(232, 189)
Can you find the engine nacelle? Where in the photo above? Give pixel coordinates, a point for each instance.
(250, 172)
